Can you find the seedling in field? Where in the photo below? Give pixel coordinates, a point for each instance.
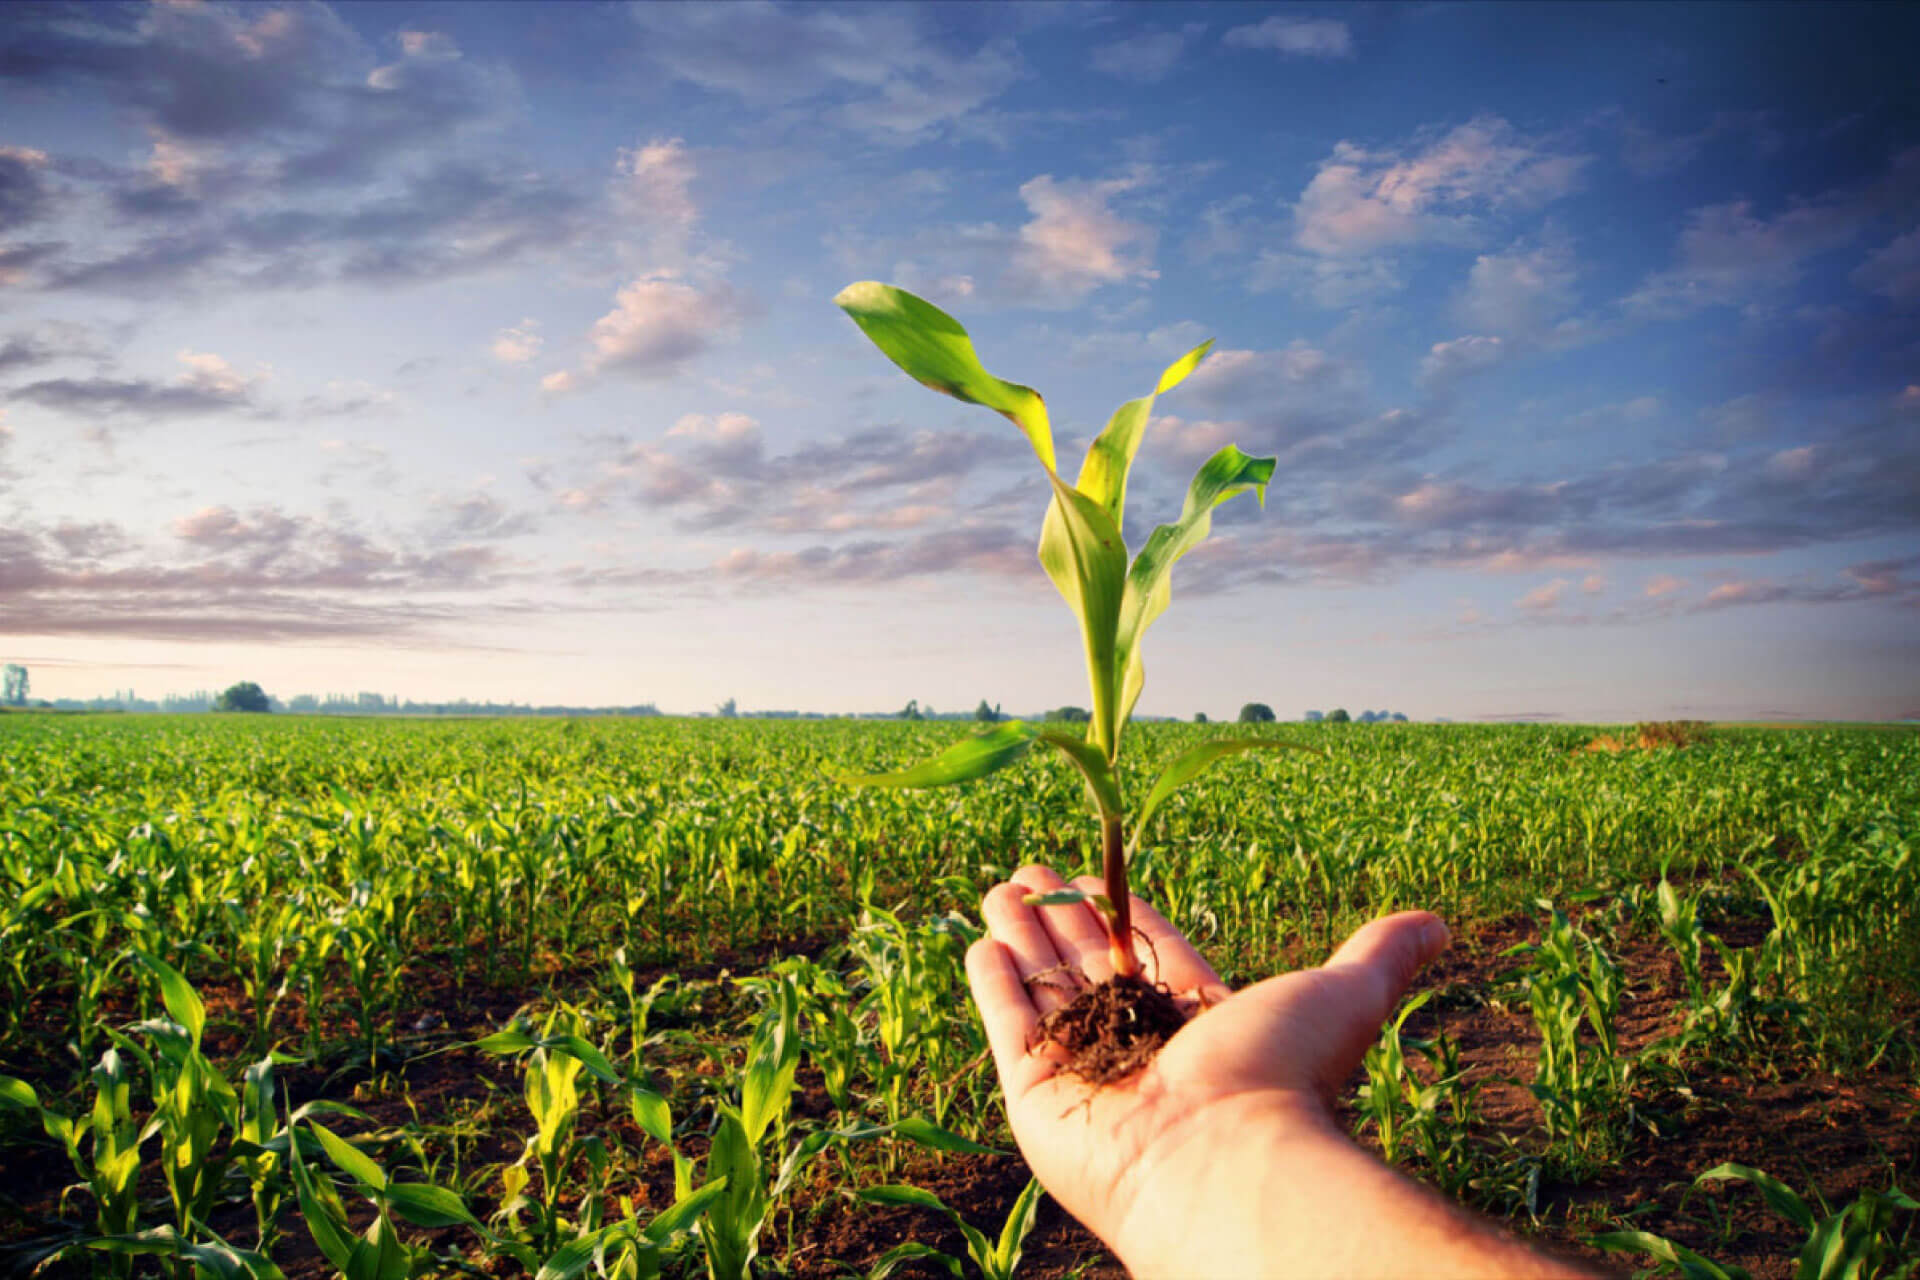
(1082, 552)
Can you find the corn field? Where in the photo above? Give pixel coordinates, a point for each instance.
(388, 998)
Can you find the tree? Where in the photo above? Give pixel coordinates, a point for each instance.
(245, 696)
(1256, 713)
(729, 709)
(1072, 715)
(14, 692)
(986, 714)
(1315, 717)
(1339, 716)
(1200, 717)
(912, 710)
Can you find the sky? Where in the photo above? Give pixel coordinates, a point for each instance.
(489, 351)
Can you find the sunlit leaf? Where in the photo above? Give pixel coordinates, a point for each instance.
(1093, 766)
(1081, 550)
(1196, 760)
(1149, 586)
(935, 351)
(182, 1001)
(1103, 475)
(350, 1158)
(970, 758)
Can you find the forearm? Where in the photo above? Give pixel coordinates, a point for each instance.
(1258, 1188)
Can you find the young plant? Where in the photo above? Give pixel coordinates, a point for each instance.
(1082, 552)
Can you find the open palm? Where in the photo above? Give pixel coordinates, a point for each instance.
(1282, 1046)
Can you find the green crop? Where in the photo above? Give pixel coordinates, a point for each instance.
(1082, 551)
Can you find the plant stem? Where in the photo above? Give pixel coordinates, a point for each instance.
(1120, 923)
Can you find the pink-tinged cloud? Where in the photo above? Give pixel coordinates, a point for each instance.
(1543, 597)
(1662, 585)
(1361, 200)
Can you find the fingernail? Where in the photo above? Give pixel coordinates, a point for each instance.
(1433, 936)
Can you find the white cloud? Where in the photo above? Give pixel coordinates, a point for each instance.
(1447, 361)
(1145, 58)
(1075, 243)
(1893, 271)
(1593, 584)
(1333, 283)
(517, 345)
(1303, 37)
(1265, 376)
(659, 177)
(558, 383)
(433, 45)
(213, 376)
(657, 324)
(1728, 255)
(893, 83)
(1522, 292)
(1361, 201)
(1544, 597)
(1662, 584)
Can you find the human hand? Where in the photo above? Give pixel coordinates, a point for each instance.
(1230, 1128)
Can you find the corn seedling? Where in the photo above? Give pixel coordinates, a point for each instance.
(1856, 1242)
(379, 1253)
(1582, 1088)
(1082, 551)
(1404, 1108)
(996, 1259)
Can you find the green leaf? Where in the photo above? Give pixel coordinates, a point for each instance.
(181, 1000)
(681, 1214)
(576, 1255)
(935, 351)
(425, 1205)
(928, 1134)
(901, 1194)
(1691, 1265)
(1194, 761)
(1101, 782)
(505, 1042)
(1014, 1232)
(913, 1250)
(325, 1218)
(651, 1113)
(1149, 586)
(1081, 550)
(1103, 475)
(970, 758)
(1778, 1195)
(356, 1163)
(580, 1049)
(18, 1094)
(214, 1257)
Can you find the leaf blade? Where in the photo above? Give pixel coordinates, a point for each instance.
(1149, 587)
(970, 758)
(935, 351)
(1194, 761)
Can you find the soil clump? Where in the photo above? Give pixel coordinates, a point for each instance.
(1113, 1029)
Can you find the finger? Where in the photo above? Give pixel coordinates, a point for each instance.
(1169, 957)
(1017, 927)
(1078, 934)
(1375, 966)
(1009, 1014)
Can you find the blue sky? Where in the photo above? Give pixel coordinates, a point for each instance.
(488, 351)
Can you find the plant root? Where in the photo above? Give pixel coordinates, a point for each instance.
(1112, 1030)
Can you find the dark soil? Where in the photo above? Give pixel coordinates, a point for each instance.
(1809, 1128)
(1112, 1029)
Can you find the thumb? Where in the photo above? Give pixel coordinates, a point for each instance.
(1374, 967)
(1393, 949)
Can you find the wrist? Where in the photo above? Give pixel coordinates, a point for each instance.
(1266, 1184)
(1208, 1197)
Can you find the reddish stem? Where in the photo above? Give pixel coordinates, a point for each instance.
(1126, 963)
